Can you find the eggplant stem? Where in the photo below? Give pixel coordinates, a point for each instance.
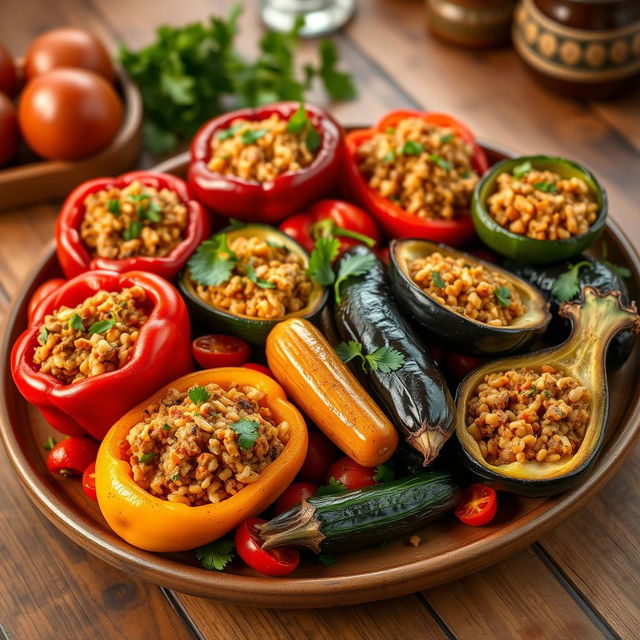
(297, 527)
(429, 443)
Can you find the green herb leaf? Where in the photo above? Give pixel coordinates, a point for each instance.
(147, 457)
(389, 157)
(312, 140)
(251, 274)
(213, 261)
(323, 254)
(411, 148)
(546, 394)
(225, 134)
(546, 187)
(166, 427)
(533, 391)
(352, 266)
(440, 161)
(521, 169)
(43, 335)
(338, 84)
(384, 474)
(198, 395)
(503, 295)
(216, 555)
(113, 206)
(175, 477)
(139, 197)
(133, 230)
(102, 326)
(386, 359)
(251, 136)
(623, 272)
(326, 559)
(49, 444)
(76, 322)
(247, 431)
(153, 212)
(298, 121)
(466, 174)
(436, 278)
(448, 138)
(390, 130)
(347, 351)
(332, 487)
(567, 284)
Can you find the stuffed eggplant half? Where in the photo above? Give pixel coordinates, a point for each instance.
(475, 307)
(535, 424)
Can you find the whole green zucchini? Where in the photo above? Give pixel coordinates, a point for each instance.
(354, 519)
(415, 395)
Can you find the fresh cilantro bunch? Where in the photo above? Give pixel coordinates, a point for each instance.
(193, 73)
(384, 359)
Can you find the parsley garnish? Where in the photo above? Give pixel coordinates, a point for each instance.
(411, 148)
(323, 254)
(113, 206)
(299, 123)
(331, 488)
(175, 477)
(247, 431)
(386, 359)
(213, 261)
(225, 134)
(261, 282)
(440, 161)
(545, 187)
(326, 559)
(503, 294)
(567, 284)
(389, 157)
(101, 326)
(390, 130)
(43, 335)
(436, 278)
(466, 174)
(49, 444)
(384, 474)
(139, 197)
(623, 272)
(251, 136)
(339, 85)
(533, 391)
(447, 138)
(546, 394)
(147, 457)
(521, 169)
(153, 212)
(198, 395)
(352, 266)
(216, 555)
(76, 322)
(166, 427)
(133, 231)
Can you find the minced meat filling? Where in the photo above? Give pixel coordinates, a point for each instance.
(268, 281)
(528, 415)
(472, 290)
(138, 220)
(95, 337)
(204, 445)
(259, 150)
(543, 205)
(425, 169)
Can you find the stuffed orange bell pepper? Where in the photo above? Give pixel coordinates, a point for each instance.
(197, 458)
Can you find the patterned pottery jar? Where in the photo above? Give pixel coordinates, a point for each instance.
(471, 23)
(584, 48)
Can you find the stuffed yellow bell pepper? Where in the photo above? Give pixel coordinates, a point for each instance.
(198, 457)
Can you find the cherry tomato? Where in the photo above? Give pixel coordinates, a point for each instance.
(71, 456)
(89, 482)
(478, 505)
(8, 130)
(459, 365)
(8, 76)
(68, 114)
(275, 562)
(67, 47)
(259, 367)
(295, 494)
(320, 454)
(351, 474)
(218, 350)
(47, 287)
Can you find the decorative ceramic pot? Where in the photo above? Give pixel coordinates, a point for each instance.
(584, 48)
(471, 23)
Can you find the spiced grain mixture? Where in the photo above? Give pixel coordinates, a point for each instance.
(423, 168)
(528, 415)
(138, 220)
(259, 150)
(268, 281)
(543, 205)
(94, 337)
(204, 445)
(469, 289)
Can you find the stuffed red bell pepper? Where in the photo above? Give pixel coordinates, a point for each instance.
(264, 164)
(99, 345)
(138, 221)
(415, 173)
(332, 218)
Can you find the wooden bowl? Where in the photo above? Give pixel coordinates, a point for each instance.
(450, 549)
(36, 179)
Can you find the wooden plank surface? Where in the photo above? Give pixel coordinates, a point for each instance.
(585, 573)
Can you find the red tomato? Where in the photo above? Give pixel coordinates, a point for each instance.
(383, 254)
(351, 474)
(68, 114)
(437, 353)
(459, 365)
(320, 454)
(47, 287)
(275, 562)
(8, 130)
(259, 367)
(71, 456)
(295, 494)
(67, 47)
(219, 350)
(478, 505)
(8, 77)
(89, 482)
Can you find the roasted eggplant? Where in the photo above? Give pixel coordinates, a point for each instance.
(416, 395)
(596, 318)
(463, 334)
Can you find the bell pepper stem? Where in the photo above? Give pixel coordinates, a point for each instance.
(328, 228)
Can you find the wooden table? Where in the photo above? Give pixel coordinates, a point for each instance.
(580, 581)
